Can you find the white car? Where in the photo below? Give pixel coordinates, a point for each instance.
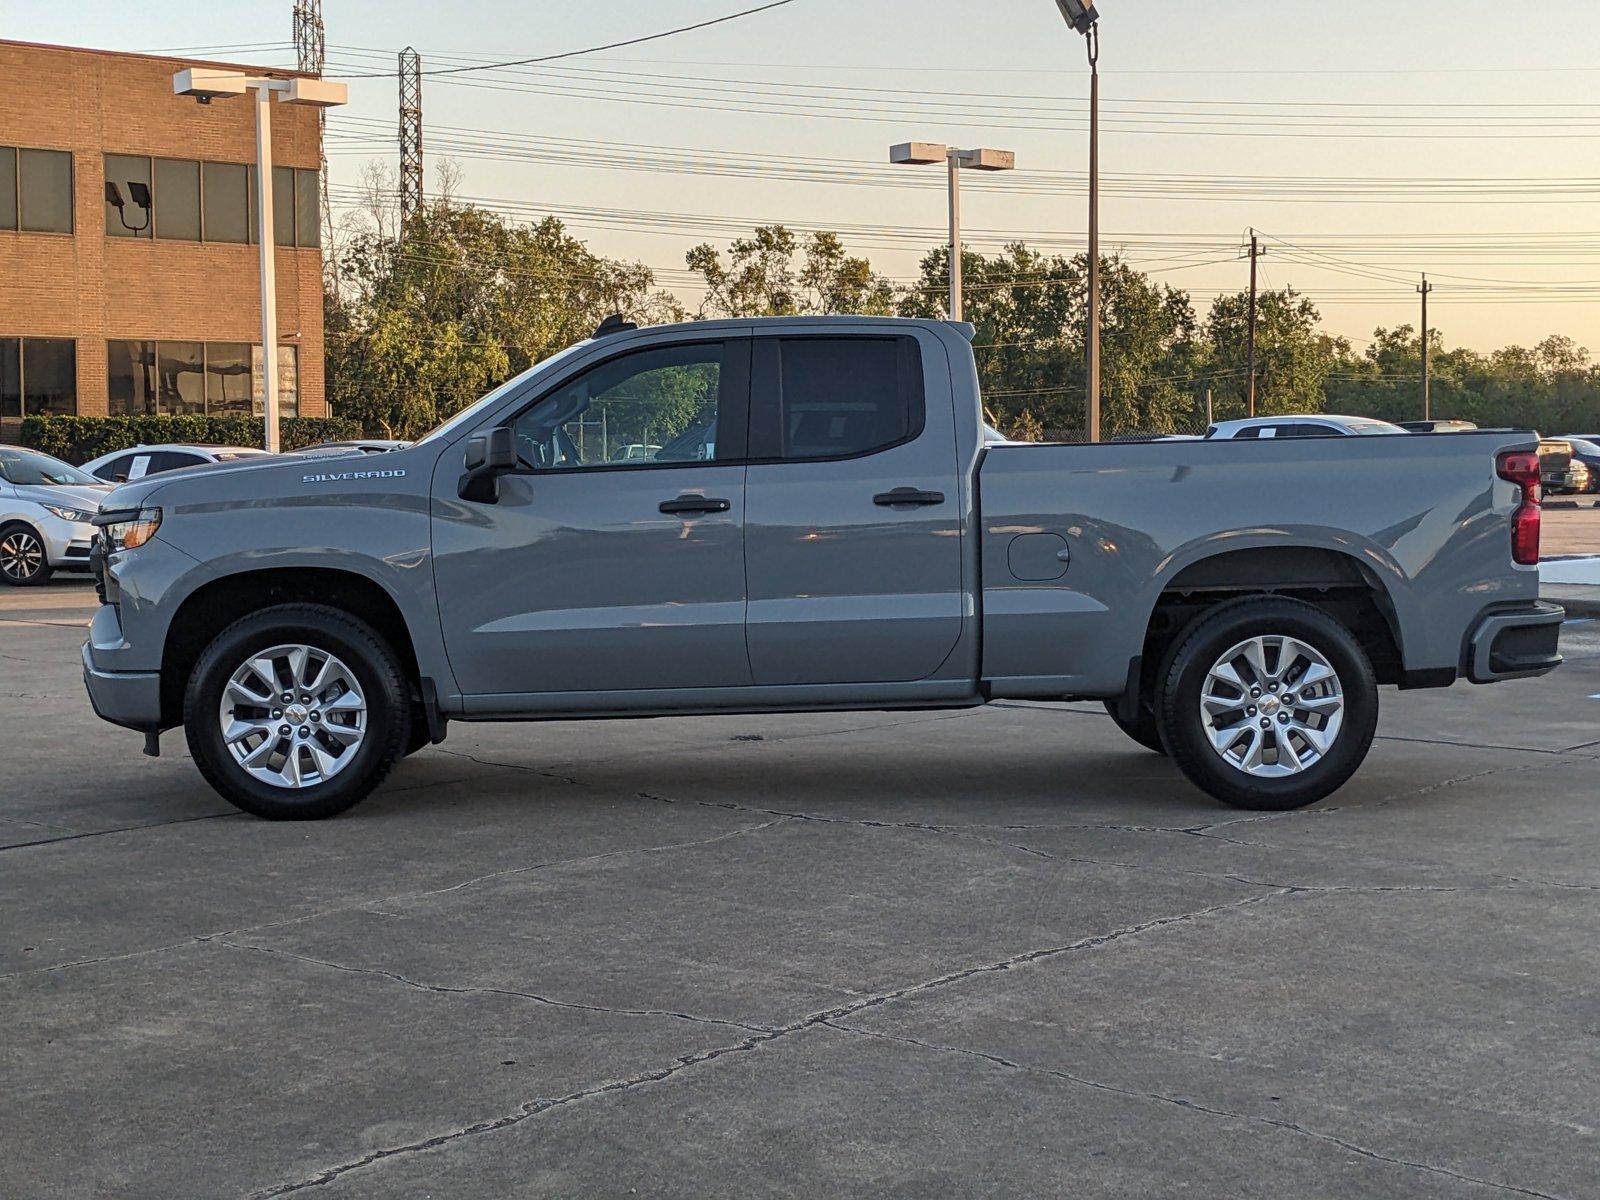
(46, 508)
(124, 466)
(1310, 425)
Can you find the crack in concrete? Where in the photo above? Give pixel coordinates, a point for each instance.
(538, 1106)
(202, 938)
(78, 837)
(1195, 1106)
(446, 990)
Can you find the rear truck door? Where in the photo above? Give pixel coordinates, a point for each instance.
(852, 526)
(613, 559)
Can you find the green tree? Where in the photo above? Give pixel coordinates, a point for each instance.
(1293, 358)
(420, 325)
(763, 279)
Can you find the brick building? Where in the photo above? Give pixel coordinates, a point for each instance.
(129, 280)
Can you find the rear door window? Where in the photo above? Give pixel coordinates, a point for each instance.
(835, 397)
(171, 460)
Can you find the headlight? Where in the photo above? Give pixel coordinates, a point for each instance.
(130, 529)
(75, 515)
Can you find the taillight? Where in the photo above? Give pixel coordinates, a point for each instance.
(1521, 467)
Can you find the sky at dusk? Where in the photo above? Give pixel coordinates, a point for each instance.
(1367, 143)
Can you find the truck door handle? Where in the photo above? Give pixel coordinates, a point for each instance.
(907, 495)
(691, 504)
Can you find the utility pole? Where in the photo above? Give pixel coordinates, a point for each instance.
(311, 54)
(1427, 403)
(410, 135)
(1255, 254)
(1208, 407)
(953, 164)
(1092, 344)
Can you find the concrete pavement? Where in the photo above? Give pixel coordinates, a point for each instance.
(1002, 953)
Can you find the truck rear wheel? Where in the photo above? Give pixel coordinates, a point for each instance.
(296, 712)
(1142, 729)
(1268, 704)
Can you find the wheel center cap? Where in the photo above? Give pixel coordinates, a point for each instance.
(1269, 705)
(296, 714)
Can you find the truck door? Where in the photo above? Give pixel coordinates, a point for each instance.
(852, 526)
(614, 556)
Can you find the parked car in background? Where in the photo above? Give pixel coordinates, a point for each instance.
(1558, 470)
(1586, 450)
(1437, 426)
(125, 466)
(358, 446)
(46, 507)
(635, 452)
(1314, 425)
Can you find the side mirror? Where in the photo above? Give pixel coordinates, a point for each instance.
(489, 456)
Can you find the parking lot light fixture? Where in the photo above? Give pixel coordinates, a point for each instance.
(923, 153)
(206, 84)
(1082, 17)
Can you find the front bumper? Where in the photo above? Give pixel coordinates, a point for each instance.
(128, 698)
(1516, 643)
(66, 543)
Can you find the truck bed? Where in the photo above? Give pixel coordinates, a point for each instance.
(1422, 520)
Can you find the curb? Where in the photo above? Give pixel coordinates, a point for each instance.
(1578, 601)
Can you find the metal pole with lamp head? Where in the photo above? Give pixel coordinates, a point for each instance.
(1081, 16)
(922, 153)
(206, 84)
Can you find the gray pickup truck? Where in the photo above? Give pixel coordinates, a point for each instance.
(799, 514)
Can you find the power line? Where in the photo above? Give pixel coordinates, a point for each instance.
(650, 37)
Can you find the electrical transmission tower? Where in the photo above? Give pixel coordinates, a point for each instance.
(410, 134)
(311, 52)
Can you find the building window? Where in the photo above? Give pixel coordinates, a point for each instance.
(178, 206)
(227, 207)
(181, 200)
(307, 208)
(127, 201)
(8, 187)
(130, 378)
(38, 377)
(288, 382)
(181, 377)
(229, 377)
(195, 377)
(35, 190)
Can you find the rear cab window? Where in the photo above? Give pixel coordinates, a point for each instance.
(834, 397)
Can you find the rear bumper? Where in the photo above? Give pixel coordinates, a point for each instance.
(1516, 643)
(130, 699)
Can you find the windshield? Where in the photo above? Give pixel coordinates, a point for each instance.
(28, 467)
(469, 414)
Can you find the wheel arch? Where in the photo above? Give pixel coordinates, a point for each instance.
(215, 605)
(1335, 580)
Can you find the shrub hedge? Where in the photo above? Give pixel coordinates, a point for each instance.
(78, 439)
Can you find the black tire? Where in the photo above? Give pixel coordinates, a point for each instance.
(1143, 730)
(11, 539)
(376, 669)
(1178, 703)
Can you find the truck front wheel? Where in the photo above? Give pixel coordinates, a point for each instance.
(296, 712)
(1268, 704)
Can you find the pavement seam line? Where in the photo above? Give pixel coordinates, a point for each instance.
(447, 990)
(202, 938)
(1195, 1107)
(538, 1106)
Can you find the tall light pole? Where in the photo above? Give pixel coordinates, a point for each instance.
(1081, 16)
(921, 153)
(206, 84)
